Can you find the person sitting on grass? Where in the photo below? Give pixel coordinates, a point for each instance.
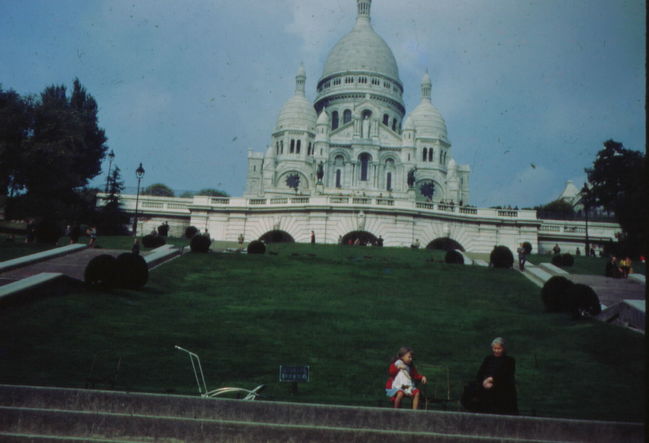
(402, 374)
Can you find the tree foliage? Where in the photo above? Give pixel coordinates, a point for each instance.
(213, 192)
(619, 184)
(50, 148)
(111, 218)
(557, 208)
(158, 190)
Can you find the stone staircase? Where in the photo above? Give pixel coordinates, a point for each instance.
(57, 414)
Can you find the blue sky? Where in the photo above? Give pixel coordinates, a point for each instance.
(529, 89)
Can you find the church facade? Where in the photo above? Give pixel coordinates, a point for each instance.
(353, 164)
(356, 137)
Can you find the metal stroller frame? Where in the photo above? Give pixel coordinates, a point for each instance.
(202, 386)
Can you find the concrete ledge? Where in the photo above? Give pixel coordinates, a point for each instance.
(39, 256)
(160, 255)
(552, 269)
(45, 283)
(539, 273)
(638, 277)
(468, 426)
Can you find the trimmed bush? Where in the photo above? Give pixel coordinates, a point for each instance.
(555, 294)
(100, 271)
(200, 243)
(582, 301)
(256, 247)
(131, 271)
(563, 260)
(454, 257)
(47, 232)
(153, 241)
(191, 231)
(501, 257)
(527, 246)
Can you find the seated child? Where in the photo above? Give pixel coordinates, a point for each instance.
(402, 374)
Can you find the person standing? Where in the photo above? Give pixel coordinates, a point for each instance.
(312, 238)
(522, 257)
(498, 384)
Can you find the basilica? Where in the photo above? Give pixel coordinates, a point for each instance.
(356, 138)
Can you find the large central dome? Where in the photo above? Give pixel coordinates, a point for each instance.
(362, 50)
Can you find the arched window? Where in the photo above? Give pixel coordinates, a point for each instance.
(347, 116)
(292, 146)
(297, 148)
(338, 177)
(394, 124)
(425, 154)
(281, 146)
(430, 155)
(441, 156)
(386, 119)
(388, 182)
(310, 151)
(277, 148)
(365, 162)
(334, 120)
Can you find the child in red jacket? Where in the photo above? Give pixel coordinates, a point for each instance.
(402, 374)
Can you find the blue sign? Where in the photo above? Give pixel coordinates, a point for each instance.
(293, 373)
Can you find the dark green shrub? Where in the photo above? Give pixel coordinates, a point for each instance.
(163, 229)
(200, 243)
(501, 257)
(153, 241)
(256, 247)
(555, 293)
(582, 301)
(563, 260)
(131, 271)
(527, 246)
(47, 231)
(191, 231)
(100, 271)
(75, 233)
(454, 257)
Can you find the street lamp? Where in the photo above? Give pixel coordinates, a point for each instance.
(111, 156)
(585, 200)
(139, 173)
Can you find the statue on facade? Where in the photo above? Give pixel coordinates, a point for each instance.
(411, 177)
(320, 172)
(366, 127)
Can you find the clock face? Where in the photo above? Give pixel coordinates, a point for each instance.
(293, 181)
(427, 189)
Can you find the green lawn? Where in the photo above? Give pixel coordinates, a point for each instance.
(342, 310)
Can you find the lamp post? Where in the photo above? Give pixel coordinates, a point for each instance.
(111, 156)
(139, 173)
(585, 200)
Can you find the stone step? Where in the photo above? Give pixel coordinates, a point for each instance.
(54, 423)
(217, 413)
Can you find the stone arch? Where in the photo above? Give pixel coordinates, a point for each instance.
(364, 238)
(277, 236)
(445, 243)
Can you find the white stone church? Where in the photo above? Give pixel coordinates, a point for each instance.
(356, 138)
(353, 164)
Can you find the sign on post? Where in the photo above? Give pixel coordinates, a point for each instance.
(294, 375)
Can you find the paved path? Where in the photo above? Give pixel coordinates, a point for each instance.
(611, 290)
(72, 265)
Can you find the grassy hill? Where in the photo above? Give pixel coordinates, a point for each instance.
(342, 310)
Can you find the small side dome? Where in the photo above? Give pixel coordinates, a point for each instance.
(297, 112)
(427, 119)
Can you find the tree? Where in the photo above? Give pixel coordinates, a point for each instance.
(15, 121)
(560, 209)
(618, 184)
(61, 151)
(213, 192)
(111, 218)
(159, 190)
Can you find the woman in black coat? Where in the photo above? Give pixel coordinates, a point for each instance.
(496, 378)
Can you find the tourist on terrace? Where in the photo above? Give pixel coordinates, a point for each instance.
(625, 266)
(556, 250)
(612, 268)
(496, 376)
(402, 375)
(522, 257)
